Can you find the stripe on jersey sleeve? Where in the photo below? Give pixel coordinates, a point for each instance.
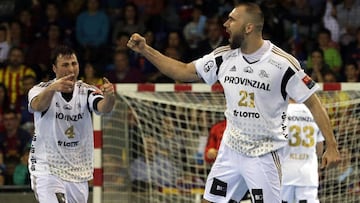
(87, 100)
(221, 49)
(218, 56)
(287, 56)
(288, 74)
(218, 61)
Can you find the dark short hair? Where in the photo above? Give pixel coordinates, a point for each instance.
(120, 34)
(61, 50)
(324, 31)
(14, 48)
(25, 77)
(317, 49)
(122, 52)
(255, 13)
(351, 62)
(11, 111)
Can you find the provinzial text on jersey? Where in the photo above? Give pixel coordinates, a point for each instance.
(301, 118)
(62, 116)
(247, 82)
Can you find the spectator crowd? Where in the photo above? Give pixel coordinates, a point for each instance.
(324, 35)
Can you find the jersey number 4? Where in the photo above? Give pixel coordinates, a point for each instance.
(70, 132)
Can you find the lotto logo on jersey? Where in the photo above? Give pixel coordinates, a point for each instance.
(308, 82)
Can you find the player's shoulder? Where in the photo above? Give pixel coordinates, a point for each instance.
(44, 84)
(84, 85)
(88, 89)
(283, 58)
(221, 49)
(224, 53)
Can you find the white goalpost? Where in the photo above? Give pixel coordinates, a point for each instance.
(149, 149)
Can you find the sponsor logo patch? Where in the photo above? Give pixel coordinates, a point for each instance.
(67, 107)
(263, 74)
(248, 69)
(258, 195)
(308, 82)
(60, 197)
(208, 65)
(218, 187)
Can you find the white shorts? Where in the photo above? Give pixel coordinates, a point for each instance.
(290, 193)
(50, 188)
(233, 174)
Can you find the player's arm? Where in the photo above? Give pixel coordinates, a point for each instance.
(211, 148)
(331, 155)
(42, 101)
(319, 148)
(107, 104)
(172, 68)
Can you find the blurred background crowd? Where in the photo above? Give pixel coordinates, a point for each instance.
(324, 35)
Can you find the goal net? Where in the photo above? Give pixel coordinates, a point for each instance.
(155, 138)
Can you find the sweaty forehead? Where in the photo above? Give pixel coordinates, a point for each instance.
(237, 12)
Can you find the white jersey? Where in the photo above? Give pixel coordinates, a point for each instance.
(63, 141)
(256, 95)
(300, 165)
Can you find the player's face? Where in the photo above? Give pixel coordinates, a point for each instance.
(16, 57)
(66, 65)
(235, 27)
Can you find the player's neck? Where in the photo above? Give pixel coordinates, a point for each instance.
(252, 45)
(257, 53)
(67, 96)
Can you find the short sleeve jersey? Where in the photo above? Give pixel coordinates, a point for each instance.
(256, 95)
(300, 165)
(63, 141)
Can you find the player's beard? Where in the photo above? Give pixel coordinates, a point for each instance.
(238, 38)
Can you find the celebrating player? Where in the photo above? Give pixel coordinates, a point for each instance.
(300, 166)
(258, 79)
(61, 155)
